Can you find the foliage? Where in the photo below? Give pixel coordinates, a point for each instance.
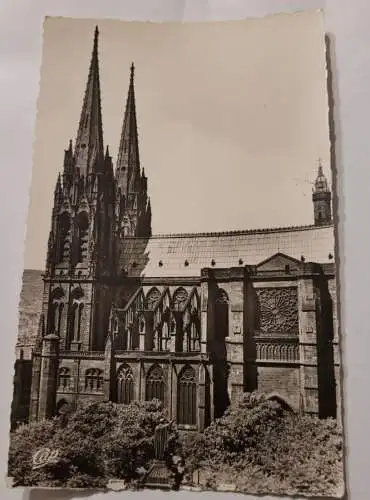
(97, 442)
(258, 444)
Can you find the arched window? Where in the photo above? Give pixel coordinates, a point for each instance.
(152, 298)
(75, 317)
(125, 385)
(56, 309)
(179, 299)
(64, 230)
(94, 380)
(83, 236)
(187, 397)
(193, 337)
(64, 379)
(155, 384)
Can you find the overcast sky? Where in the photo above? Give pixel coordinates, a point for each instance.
(232, 117)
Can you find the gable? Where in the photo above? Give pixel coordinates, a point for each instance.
(278, 262)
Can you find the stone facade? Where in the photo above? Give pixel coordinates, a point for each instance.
(193, 320)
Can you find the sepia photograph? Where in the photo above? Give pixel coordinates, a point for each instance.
(179, 317)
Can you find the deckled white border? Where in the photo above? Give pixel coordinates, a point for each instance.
(20, 55)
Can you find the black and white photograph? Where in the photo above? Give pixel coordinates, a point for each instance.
(179, 317)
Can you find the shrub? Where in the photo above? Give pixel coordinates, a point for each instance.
(259, 444)
(97, 442)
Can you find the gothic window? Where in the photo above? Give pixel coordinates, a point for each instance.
(194, 337)
(75, 317)
(187, 397)
(56, 310)
(155, 384)
(64, 379)
(83, 236)
(93, 380)
(179, 299)
(125, 385)
(64, 237)
(277, 311)
(152, 298)
(222, 315)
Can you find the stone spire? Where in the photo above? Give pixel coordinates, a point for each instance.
(128, 163)
(89, 149)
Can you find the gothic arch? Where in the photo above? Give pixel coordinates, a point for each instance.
(180, 296)
(82, 223)
(56, 307)
(125, 384)
(155, 386)
(75, 316)
(64, 233)
(187, 397)
(221, 296)
(152, 298)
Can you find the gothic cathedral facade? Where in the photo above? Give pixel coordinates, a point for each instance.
(193, 320)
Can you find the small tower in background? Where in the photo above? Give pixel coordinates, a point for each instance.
(321, 198)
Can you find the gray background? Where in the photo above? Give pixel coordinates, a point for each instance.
(347, 22)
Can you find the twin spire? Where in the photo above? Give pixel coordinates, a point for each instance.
(89, 148)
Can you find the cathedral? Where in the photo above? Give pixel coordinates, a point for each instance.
(193, 320)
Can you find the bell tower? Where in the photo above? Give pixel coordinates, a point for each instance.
(321, 198)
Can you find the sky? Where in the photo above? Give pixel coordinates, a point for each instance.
(232, 117)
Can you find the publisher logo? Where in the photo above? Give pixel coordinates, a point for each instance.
(44, 456)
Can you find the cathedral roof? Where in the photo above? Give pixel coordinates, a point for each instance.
(186, 254)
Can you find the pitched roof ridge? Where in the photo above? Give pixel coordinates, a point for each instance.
(234, 232)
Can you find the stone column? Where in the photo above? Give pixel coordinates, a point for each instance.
(206, 308)
(202, 398)
(309, 390)
(48, 376)
(109, 374)
(35, 387)
(234, 341)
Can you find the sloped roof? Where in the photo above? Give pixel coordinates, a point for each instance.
(142, 256)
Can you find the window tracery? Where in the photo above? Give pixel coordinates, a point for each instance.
(155, 386)
(125, 385)
(94, 380)
(187, 396)
(278, 310)
(64, 379)
(179, 299)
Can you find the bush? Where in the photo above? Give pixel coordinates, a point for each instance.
(96, 443)
(262, 447)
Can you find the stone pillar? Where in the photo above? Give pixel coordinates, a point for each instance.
(309, 390)
(109, 375)
(48, 376)
(234, 341)
(136, 371)
(206, 309)
(35, 387)
(173, 407)
(202, 398)
(147, 340)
